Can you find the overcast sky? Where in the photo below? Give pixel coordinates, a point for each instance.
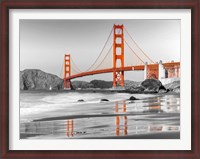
(43, 43)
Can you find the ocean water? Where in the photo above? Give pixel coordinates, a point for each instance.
(59, 115)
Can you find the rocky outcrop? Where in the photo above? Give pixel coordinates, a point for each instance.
(32, 79)
(174, 86)
(148, 86)
(132, 98)
(104, 100)
(80, 100)
(152, 86)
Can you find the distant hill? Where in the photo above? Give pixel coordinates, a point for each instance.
(101, 84)
(81, 85)
(33, 79)
(128, 84)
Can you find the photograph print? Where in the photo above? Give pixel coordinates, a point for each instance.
(100, 79)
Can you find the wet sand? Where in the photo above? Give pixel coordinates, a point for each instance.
(162, 135)
(151, 117)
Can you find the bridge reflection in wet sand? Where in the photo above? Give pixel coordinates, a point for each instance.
(157, 117)
(121, 121)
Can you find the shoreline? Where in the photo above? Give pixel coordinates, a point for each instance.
(95, 91)
(94, 116)
(59, 116)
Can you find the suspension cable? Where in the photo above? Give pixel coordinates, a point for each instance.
(61, 70)
(138, 46)
(134, 52)
(75, 71)
(104, 57)
(101, 50)
(76, 67)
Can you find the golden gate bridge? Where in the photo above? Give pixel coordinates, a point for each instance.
(112, 59)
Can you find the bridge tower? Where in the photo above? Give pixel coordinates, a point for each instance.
(67, 71)
(118, 55)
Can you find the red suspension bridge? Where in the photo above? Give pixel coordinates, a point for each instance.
(114, 61)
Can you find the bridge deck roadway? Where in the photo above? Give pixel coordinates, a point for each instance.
(127, 68)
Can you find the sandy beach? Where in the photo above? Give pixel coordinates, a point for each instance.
(61, 115)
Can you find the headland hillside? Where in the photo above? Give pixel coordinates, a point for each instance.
(34, 79)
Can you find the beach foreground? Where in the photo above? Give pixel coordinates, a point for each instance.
(71, 115)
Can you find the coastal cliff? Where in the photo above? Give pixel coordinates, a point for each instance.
(33, 79)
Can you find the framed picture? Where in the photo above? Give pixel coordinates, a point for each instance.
(100, 79)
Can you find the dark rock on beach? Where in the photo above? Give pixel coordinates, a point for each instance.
(148, 86)
(153, 86)
(104, 100)
(33, 79)
(163, 91)
(80, 100)
(132, 98)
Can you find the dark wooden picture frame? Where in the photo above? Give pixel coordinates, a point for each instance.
(194, 5)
